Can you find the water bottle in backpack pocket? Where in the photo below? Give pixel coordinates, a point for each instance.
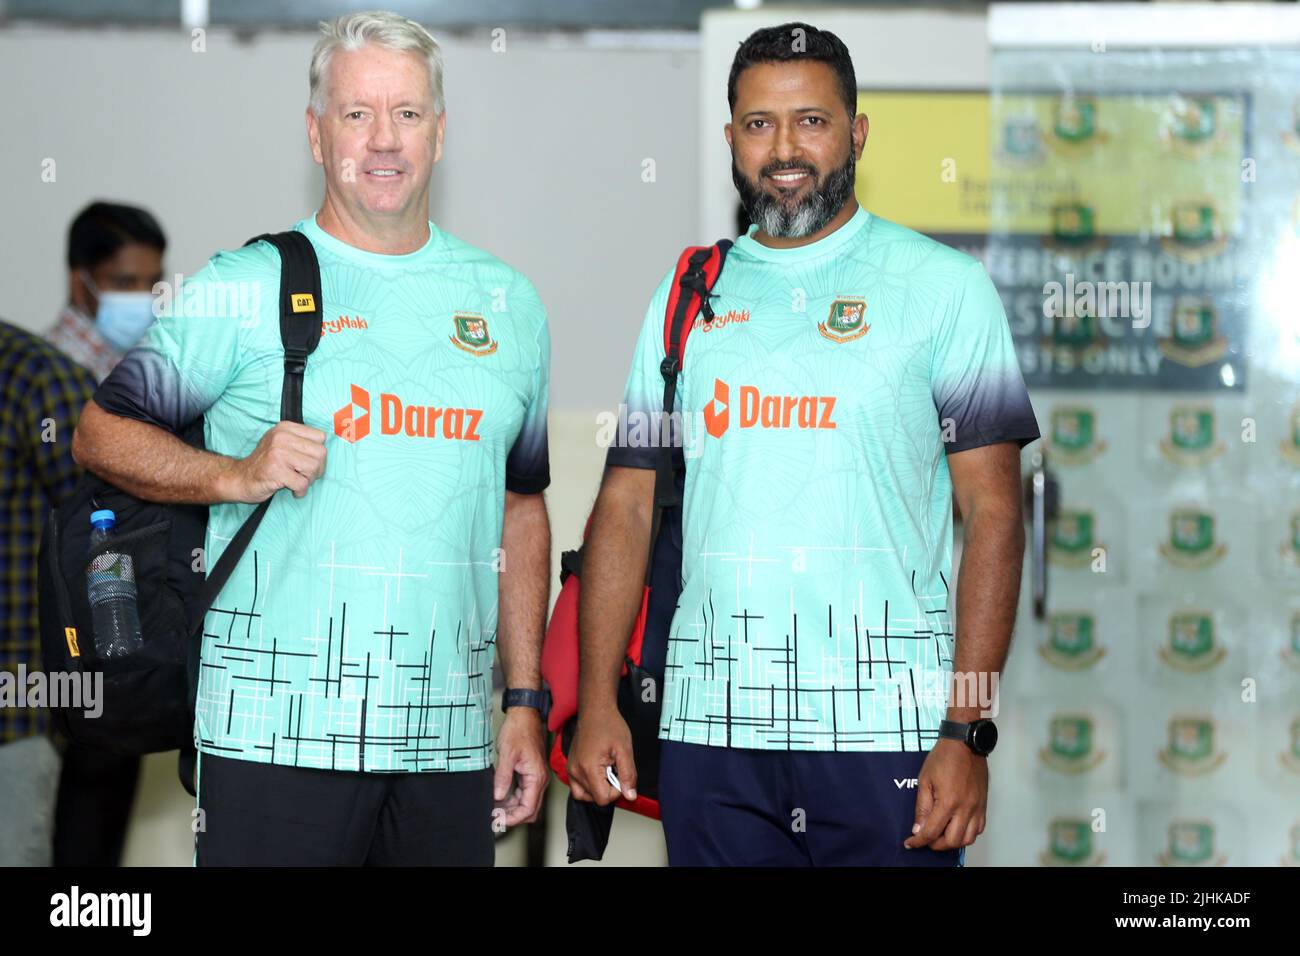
(110, 587)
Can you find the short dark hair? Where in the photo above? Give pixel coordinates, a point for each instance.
(102, 228)
(796, 41)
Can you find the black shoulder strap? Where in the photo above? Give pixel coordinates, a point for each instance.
(697, 273)
(300, 329)
(695, 288)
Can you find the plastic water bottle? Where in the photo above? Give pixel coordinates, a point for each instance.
(110, 583)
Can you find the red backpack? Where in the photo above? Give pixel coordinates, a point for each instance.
(698, 269)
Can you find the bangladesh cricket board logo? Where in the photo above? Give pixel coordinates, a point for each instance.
(1190, 750)
(1291, 550)
(1191, 543)
(1291, 444)
(1022, 142)
(1190, 645)
(1074, 436)
(1191, 125)
(1293, 855)
(1190, 843)
(1292, 136)
(1194, 339)
(1291, 653)
(471, 334)
(1074, 228)
(1069, 746)
(1069, 843)
(1082, 334)
(1291, 758)
(1194, 232)
(1074, 126)
(1073, 539)
(1071, 643)
(1191, 440)
(847, 320)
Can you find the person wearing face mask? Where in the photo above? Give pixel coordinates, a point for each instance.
(114, 259)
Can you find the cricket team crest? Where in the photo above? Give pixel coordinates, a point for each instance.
(1291, 550)
(1191, 542)
(1191, 440)
(1292, 136)
(1070, 745)
(1074, 125)
(1073, 538)
(1069, 843)
(1291, 758)
(1022, 142)
(1191, 125)
(1191, 843)
(847, 320)
(1074, 228)
(1190, 751)
(1293, 855)
(1191, 645)
(1291, 653)
(1071, 641)
(1074, 436)
(1291, 444)
(1194, 233)
(471, 334)
(1194, 339)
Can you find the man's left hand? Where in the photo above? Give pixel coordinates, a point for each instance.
(951, 798)
(521, 760)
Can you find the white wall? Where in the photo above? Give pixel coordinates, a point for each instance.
(543, 163)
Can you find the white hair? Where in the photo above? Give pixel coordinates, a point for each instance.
(388, 30)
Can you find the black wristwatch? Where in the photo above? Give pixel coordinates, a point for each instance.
(981, 736)
(539, 700)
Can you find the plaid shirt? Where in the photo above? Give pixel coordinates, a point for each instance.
(42, 393)
(75, 336)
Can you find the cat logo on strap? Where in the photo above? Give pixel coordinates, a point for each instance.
(303, 302)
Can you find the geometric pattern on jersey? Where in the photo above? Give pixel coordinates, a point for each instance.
(359, 630)
(817, 414)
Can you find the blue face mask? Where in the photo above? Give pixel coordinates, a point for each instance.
(122, 317)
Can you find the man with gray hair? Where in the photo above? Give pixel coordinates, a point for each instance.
(343, 709)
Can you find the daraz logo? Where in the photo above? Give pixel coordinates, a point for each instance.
(352, 421)
(757, 410)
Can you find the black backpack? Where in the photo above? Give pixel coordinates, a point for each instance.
(147, 702)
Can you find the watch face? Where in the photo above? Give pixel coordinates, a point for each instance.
(984, 736)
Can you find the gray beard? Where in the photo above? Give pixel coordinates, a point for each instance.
(810, 216)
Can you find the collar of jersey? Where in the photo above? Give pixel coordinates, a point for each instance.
(323, 240)
(836, 240)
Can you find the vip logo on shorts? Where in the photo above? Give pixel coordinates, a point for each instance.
(1069, 745)
(1190, 646)
(847, 320)
(757, 410)
(1190, 751)
(1071, 644)
(352, 421)
(1069, 843)
(1191, 843)
(472, 334)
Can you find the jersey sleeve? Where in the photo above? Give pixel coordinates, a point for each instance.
(187, 358)
(528, 466)
(635, 442)
(976, 382)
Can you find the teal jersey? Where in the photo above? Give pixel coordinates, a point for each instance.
(817, 411)
(358, 631)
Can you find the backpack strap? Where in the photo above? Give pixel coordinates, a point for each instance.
(698, 269)
(301, 314)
